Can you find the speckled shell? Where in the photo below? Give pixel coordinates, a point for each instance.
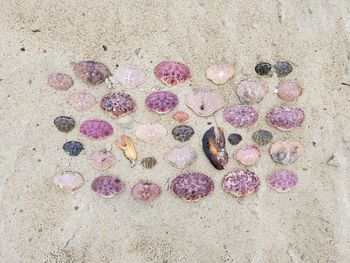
(172, 72)
(240, 183)
(262, 137)
(161, 101)
(118, 104)
(145, 191)
(91, 72)
(282, 180)
(60, 81)
(289, 90)
(73, 148)
(107, 186)
(96, 129)
(182, 133)
(64, 123)
(148, 162)
(285, 118)
(241, 116)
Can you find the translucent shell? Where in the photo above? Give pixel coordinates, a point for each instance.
(181, 156)
(285, 118)
(204, 103)
(129, 77)
(282, 180)
(69, 181)
(289, 90)
(247, 155)
(181, 116)
(82, 101)
(172, 72)
(102, 159)
(145, 191)
(252, 91)
(220, 73)
(118, 104)
(286, 151)
(91, 72)
(60, 81)
(96, 129)
(240, 183)
(150, 133)
(241, 116)
(161, 101)
(107, 186)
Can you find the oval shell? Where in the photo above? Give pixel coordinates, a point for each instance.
(129, 77)
(73, 148)
(64, 123)
(148, 162)
(181, 116)
(285, 118)
(286, 151)
(150, 133)
(82, 101)
(107, 186)
(247, 154)
(118, 104)
(263, 68)
(204, 102)
(252, 91)
(161, 101)
(102, 159)
(182, 133)
(283, 68)
(60, 81)
(172, 72)
(234, 138)
(181, 156)
(262, 137)
(282, 180)
(69, 181)
(220, 73)
(145, 191)
(91, 72)
(96, 129)
(241, 183)
(241, 116)
(289, 90)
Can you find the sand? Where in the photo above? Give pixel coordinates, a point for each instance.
(39, 223)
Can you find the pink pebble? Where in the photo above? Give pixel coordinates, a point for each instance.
(107, 186)
(82, 101)
(60, 81)
(96, 129)
(161, 101)
(145, 191)
(241, 116)
(285, 118)
(289, 90)
(172, 72)
(241, 183)
(282, 180)
(247, 154)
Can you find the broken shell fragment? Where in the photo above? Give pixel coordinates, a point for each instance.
(285, 118)
(241, 183)
(182, 133)
(148, 162)
(213, 143)
(181, 156)
(204, 103)
(252, 91)
(73, 148)
(145, 191)
(82, 101)
(289, 90)
(282, 180)
(161, 101)
(96, 129)
(60, 81)
(126, 144)
(107, 186)
(220, 73)
(129, 77)
(64, 123)
(247, 155)
(91, 72)
(262, 137)
(69, 181)
(118, 104)
(286, 151)
(150, 133)
(172, 72)
(102, 159)
(192, 186)
(181, 116)
(241, 116)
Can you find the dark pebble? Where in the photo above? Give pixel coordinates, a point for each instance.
(64, 123)
(263, 68)
(234, 138)
(283, 68)
(73, 148)
(262, 137)
(182, 133)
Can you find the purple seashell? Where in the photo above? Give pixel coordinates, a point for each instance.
(192, 186)
(241, 183)
(161, 101)
(145, 191)
(172, 72)
(91, 72)
(96, 129)
(118, 104)
(282, 180)
(285, 118)
(241, 116)
(107, 186)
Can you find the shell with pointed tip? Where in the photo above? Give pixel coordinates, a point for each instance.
(150, 133)
(60, 81)
(286, 151)
(161, 101)
(96, 129)
(181, 156)
(69, 181)
(102, 159)
(240, 183)
(118, 104)
(192, 186)
(285, 118)
(204, 102)
(241, 116)
(220, 73)
(252, 91)
(289, 90)
(182, 133)
(145, 191)
(247, 155)
(181, 116)
(282, 180)
(107, 186)
(129, 77)
(82, 101)
(91, 72)
(172, 72)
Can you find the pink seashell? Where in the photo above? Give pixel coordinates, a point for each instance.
(161, 101)
(69, 181)
(192, 186)
(285, 118)
(60, 81)
(151, 133)
(220, 73)
(181, 156)
(247, 155)
(118, 104)
(82, 101)
(252, 91)
(91, 72)
(145, 191)
(282, 180)
(204, 103)
(241, 183)
(129, 77)
(289, 90)
(241, 116)
(286, 152)
(172, 72)
(96, 129)
(107, 186)
(181, 117)
(102, 159)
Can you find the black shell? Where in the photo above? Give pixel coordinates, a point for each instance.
(234, 138)
(182, 133)
(64, 123)
(263, 68)
(73, 148)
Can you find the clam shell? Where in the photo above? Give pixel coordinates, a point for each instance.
(96, 129)
(69, 181)
(145, 191)
(107, 186)
(241, 183)
(181, 156)
(172, 72)
(282, 180)
(220, 73)
(247, 155)
(151, 133)
(286, 151)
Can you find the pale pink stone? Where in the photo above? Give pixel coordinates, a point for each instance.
(282, 180)
(60, 81)
(82, 101)
(220, 73)
(181, 156)
(102, 159)
(150, 133)
(69, 181)
(181, 116)
(252, 91)
(129, 77)
(289, 90)
(145, 191)
(204, 102)
(247, 154)
(286, 151)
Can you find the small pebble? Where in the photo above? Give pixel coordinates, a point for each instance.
(148, 162)
(73, 148)
(234, 138)
(64, 123)
(182, 133)
(262, 137)
(283, 68)
(263, 68)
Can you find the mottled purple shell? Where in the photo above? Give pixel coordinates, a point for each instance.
(145, 191)
(91, 72)
(107, 186)
(241, 183)
(118, 104)
(285, 118)
(172, 72)
(96, 129)
(282, 180)
(161, 101)
(241, 116)
(192, 186)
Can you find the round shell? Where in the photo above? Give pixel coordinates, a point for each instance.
(82, 101)
(192, 186)
(96, 129)
(60, 81)
(182, 133)
(285, 118)
(118, 104)
(64, 123)
(282, 180)
(286, 151)
(91, 72)
(150, 133)
(145, 191)
(263, 68)
(262, 137)
(69, 181)
(289, 90)
(283, 68)
(241, 116)
(241, 183)
(181, 156)
(220, 73)
(129, 77)
(148, 162)
(107, 186)
(73, 148)
(172, 72)
(161, 101)
(252, 91)
(234, 138)
(204, 102)
(247, 154)
(102, 159)
(181, 116)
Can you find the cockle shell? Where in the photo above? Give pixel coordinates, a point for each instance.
(241, 116)
(181, 156)
(102, 159)
(60, 81)
(252, 91)
(118, 104)
(282, 180)
(129, 77)
(247, 154)
(289, 90)
(172, 72)
(285, 118)
(69, 181)
(107, 186)
(286, 151)
(220, 73)
(96, 129)
(82, 101)
(91, 72)
(241, 183)
(150, 133)
(181, 116)
(145, 191)
(204, 102)
(161, 101)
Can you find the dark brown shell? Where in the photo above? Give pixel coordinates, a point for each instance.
(148, 162)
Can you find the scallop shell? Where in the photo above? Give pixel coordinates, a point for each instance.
(285, 118)
(102, 159)
(82, 101)
(204, 103)
(289, 90)
(148, 162)
(91, 72)
(181, 156)
(161, 101)
(252, 91)
(220, 73)
(129, 77)
(181, 116)
(247, 155)
(150, 133)
(172, 72)
(60, 81)
(182, 133)
(286, 151)
(118, 104)
(64, 123)
(240, 183)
